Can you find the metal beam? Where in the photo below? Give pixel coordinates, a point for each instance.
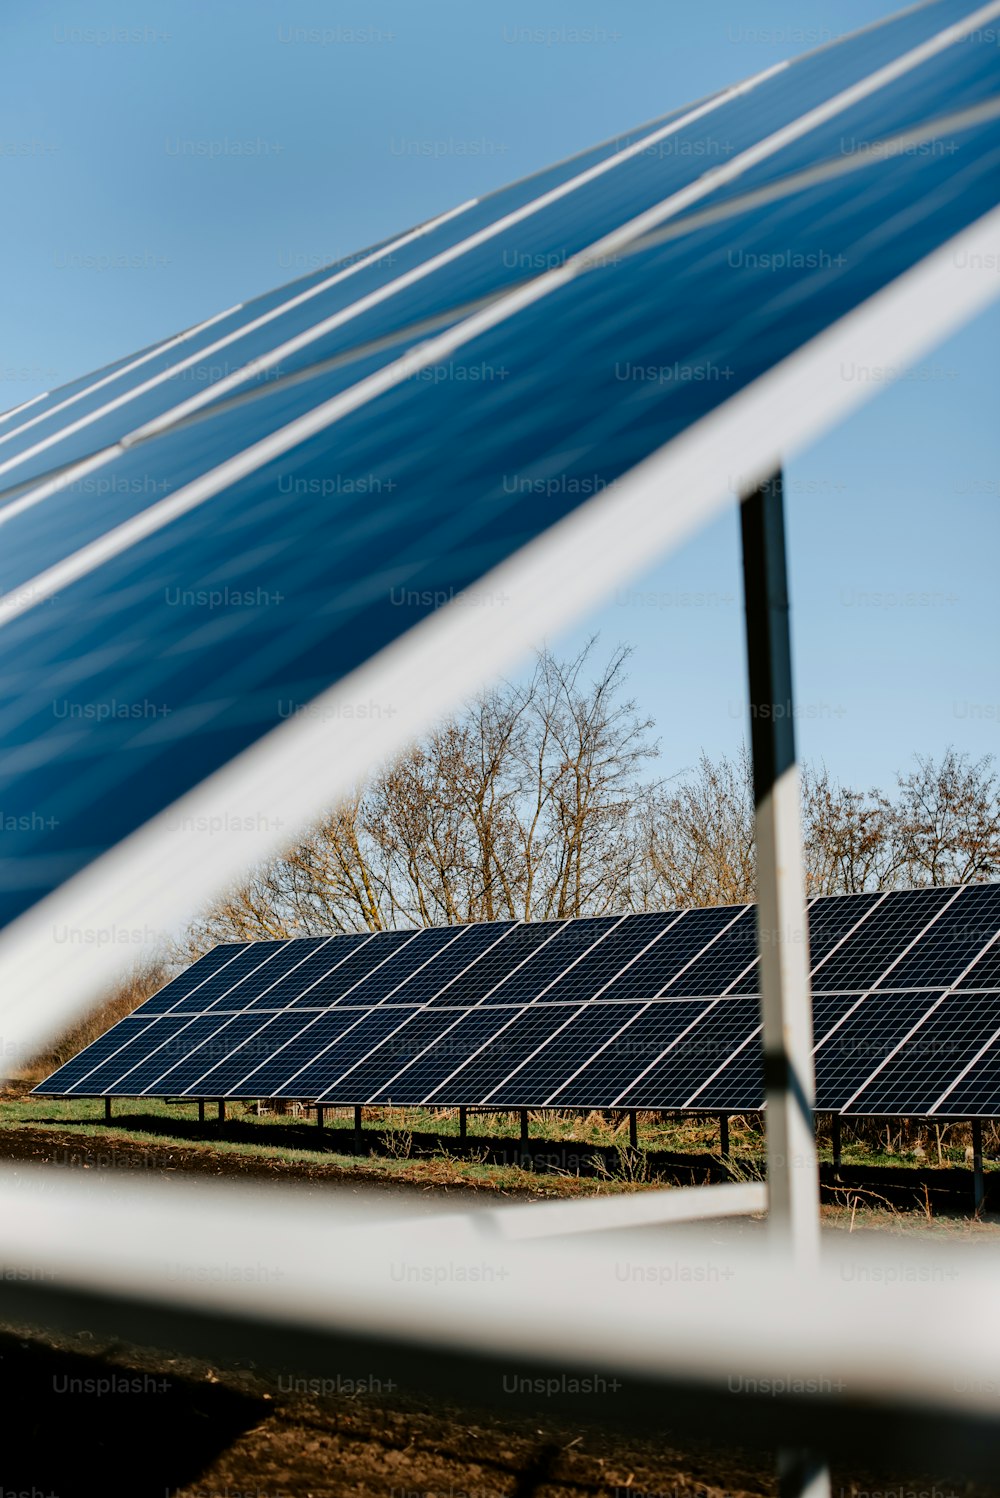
(978, 1178)
(782, 933)
(869, 1341)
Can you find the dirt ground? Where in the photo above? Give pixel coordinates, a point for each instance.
(102, 1419)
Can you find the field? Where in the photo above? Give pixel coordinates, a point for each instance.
(207, 1428)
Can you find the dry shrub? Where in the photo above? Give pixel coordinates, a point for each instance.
(131, 990)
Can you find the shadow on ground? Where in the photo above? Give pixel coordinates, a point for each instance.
(75, 1424)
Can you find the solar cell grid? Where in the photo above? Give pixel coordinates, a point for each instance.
(722, 963)
(473, 942)
(977, 1094)
(883, 937)
(652, 971)
(985, 971)
(562, 1053)
(475, 1080)
(949, 1038)
(574, 323)
(609, 960)
(200, 1053)
(224, 984)
(952, 943)
(274, 1077)
(625, 1056)
(366, 952)
(191, 979)
(146, 1059)
(498, 963)
(374, 1070)
(320, 1075)
(280, 974)
(465, 1034)
(106, 1046)
(551, 961)
(851, 1052)
(314, 959)
(739, 1085)
(671, 1080)
(380, 985)
(258, 1048)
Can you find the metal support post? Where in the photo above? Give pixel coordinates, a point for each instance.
(633, 1128)
(782, 932)
(836, 1143)
(201, 1110)
(358, 1130)
(978, 1178)
(107, 1110)
(724, 1135)
(222, 1110)
(463, 1123)
(319, 1115)
(524, 1125)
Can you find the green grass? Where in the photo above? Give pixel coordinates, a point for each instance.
(403, 1155)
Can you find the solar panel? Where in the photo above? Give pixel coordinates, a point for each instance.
(521, 1034)
(480, 255)
(694, 1057)
(412, 1081)
(882, 940)
(330, 466)
(912, 1079)
(866, 1037)
(566, 1014)
(566, 1048)
(974, 1093)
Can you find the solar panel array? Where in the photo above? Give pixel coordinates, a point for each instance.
(211, 531)
(652, 1011)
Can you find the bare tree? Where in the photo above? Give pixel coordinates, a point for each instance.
(524, 806)
(701, 836)
(850, 838)
(948, 820)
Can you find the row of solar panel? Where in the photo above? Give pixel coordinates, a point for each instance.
(611, 984)
(906, 939)
(485, 247)
(920, 1053)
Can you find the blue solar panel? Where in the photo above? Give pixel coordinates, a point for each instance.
(144, 1057)
(102, 1052)
(365, 956)
(192, 979)
(521, 1034)
(294, 1049)
(629, 1054)
(610, 960)
(859, 1045)
(953, 943)
(220, 988)
(679, 303)
(377, 1066)
(950, 1037)
(566, 1048)
(977, 1093)
(538, 962)
(732, 125)
(465, 1034)
(260, 1044)
(671, 1081)
(548, 1034)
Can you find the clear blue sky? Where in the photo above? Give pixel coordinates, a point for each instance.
(161, 162)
